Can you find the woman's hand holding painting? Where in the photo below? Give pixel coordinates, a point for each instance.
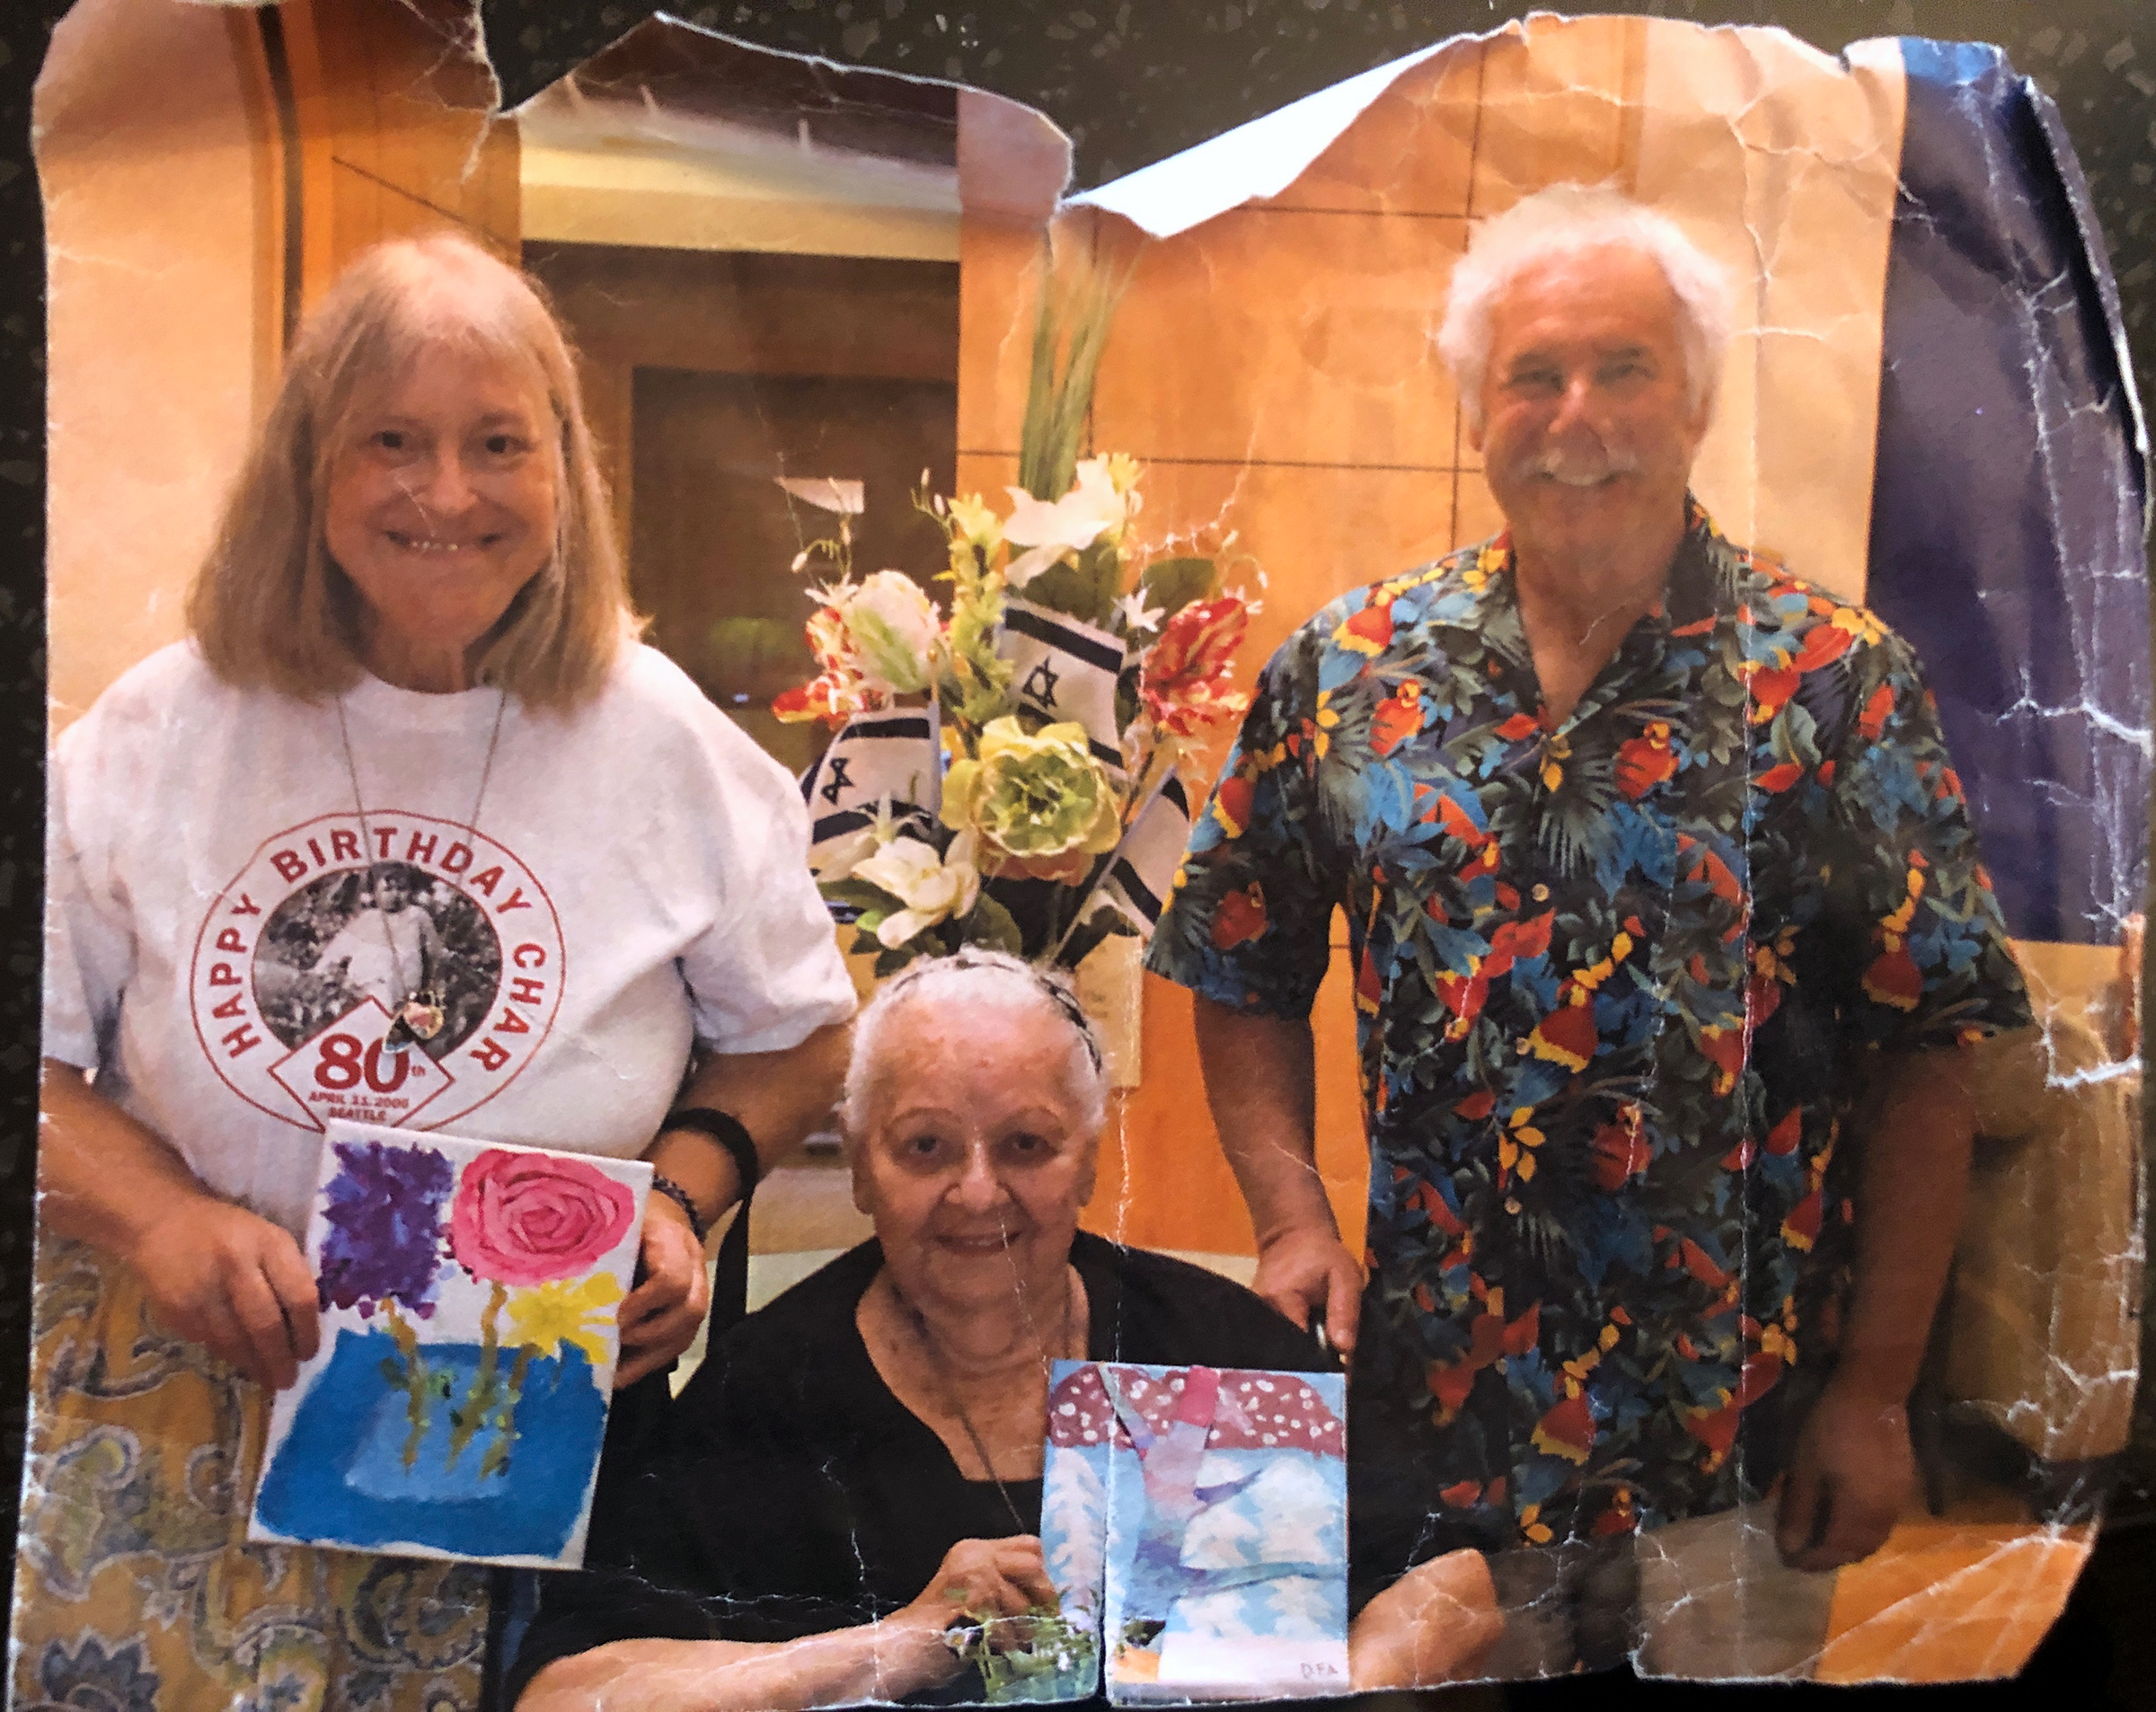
(660, 1317)
(230, 1280)
(214, 1274)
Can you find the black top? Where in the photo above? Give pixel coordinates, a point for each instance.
(796, 1494)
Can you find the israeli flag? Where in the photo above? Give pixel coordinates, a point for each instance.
(1065, 671)
(893, 753)
(1139, 877)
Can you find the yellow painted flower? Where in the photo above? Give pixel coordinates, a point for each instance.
(568, 1311)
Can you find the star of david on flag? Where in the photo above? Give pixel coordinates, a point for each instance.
(1065, 671)
(892, 753)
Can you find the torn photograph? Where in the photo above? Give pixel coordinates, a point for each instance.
(829, 925)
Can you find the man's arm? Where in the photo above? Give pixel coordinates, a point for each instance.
(779, 1098)
(1853, 1468)
(1262, 1086)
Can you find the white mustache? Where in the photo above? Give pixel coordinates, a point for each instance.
(1578, 469)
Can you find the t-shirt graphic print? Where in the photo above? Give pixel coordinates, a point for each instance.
(336, 928)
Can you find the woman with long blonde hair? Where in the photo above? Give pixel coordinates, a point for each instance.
(413, 706)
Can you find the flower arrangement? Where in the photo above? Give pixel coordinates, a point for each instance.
(1066, 677)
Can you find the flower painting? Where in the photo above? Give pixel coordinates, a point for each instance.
(456, 1406)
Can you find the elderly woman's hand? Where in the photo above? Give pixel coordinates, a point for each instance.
(977, 1579)
(661, 1316)
(1435, 1624)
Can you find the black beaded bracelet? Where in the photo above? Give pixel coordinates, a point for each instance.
(728, 1131)
(661, 1184)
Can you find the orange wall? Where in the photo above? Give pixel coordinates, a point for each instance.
(162, 147)
(398, 134)
(155, 228)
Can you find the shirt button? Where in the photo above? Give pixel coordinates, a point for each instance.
(1541, 894)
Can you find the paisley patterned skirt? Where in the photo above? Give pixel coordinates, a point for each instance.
(134, 1588)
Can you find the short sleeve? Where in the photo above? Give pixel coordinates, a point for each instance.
(1908, 901)
(89, 935)
(1247, 920)
(769, 973)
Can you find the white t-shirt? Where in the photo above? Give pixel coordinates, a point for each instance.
(219, 948)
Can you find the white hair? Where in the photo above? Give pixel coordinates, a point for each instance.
(1564, 220)
(975, 976)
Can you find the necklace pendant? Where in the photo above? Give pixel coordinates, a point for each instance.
(421, 1017)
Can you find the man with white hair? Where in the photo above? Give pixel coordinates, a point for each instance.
(1658, 886)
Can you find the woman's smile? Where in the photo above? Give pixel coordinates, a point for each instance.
(441, 509)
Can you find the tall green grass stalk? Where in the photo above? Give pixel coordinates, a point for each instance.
(1078, 299)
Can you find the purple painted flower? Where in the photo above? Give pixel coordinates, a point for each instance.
(385, 1212)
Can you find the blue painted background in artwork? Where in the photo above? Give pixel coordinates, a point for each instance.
(353, 1423)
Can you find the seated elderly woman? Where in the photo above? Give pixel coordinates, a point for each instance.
(856, 1471)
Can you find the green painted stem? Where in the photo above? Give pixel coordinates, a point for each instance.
(415, 1381)
(497, 1458)
(480, 1400)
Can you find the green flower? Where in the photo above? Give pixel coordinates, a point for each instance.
(1034, 795)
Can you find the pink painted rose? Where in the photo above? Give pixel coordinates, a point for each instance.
(531, 1218)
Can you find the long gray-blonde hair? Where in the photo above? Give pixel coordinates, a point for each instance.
(270, 609)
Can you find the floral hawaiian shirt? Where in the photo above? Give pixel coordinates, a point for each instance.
(1615, 980)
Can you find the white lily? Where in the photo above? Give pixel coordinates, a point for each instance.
(843, 856)
(1091, 509)
(933, 887)
(1031, 562)
(826, 493)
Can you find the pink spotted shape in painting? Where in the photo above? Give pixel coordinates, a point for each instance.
(531, 1218)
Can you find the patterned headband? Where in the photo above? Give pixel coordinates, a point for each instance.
(1057, 993)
